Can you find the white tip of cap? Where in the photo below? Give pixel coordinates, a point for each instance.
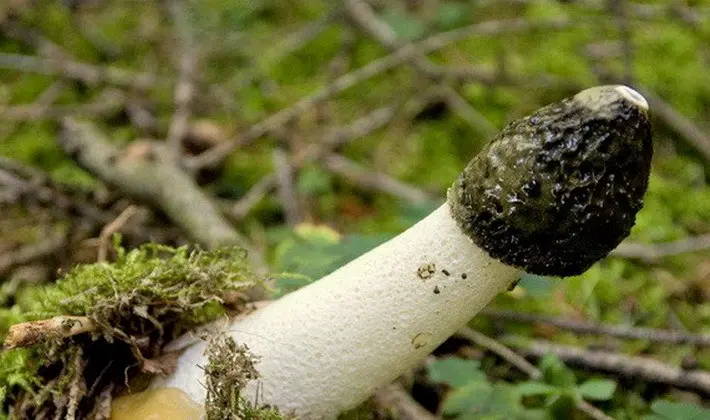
(632, 96)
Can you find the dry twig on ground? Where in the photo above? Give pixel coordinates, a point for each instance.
(625, 332)
(144, 173)
(636, 367)
(523, 365)
(185, 86)
(653, 253)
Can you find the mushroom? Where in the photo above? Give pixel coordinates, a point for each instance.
(551, 194)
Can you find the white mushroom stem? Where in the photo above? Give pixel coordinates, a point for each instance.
(554, 192)
(327, 347)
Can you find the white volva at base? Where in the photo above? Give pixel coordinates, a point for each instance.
(327, 347)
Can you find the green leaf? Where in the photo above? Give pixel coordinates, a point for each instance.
(471, 398)
(456, 372)
(313, 251)
(669, 410)
(556, 373)
(531, 388)
(597, 389)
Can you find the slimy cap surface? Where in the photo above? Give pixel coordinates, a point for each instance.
(557, 190)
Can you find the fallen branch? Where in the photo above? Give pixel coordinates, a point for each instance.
(251, 198)
(504, 352)
(523, 365)
(338, 137)
(87, 73)
(109, 102)
(625, 332)
(642, 368)
(379, 181)
(286, 191)
(653, 253)
(144, 173)
(184, 88)
(684, 127)
(29, 333)
(111, 228)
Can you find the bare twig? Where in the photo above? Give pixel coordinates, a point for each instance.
(367, 19)
(629, 366)
(395, 400)
(87, 73)
(398, 57)
(294, 41)
(625, 332)
(286, 191)
(468, 113)
(36, 186)
(334, 139)
(652, 253)
(526, 367)
(256, 193)
(109, 102)
(683, 126)
(113, 227)
(29, 36)
(43, 101)
(374, 180)
(26, 334)
(185, 88)
(504, 352)
(145, 174)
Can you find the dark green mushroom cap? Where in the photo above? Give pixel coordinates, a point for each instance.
(556, 191)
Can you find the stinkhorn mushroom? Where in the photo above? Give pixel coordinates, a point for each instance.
(553, 193)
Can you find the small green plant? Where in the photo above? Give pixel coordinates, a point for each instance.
(555, 395)
(668, 410)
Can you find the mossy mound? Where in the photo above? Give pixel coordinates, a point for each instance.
(134, 306)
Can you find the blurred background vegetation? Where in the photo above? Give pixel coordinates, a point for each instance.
(320, 129)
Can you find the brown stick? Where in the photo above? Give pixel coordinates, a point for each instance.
(626, 332)
(683, 126)
(286, 191)
(526, 367)
(630, 366)
(374, 180)
(27, 334)
(653, 253)
(185, 88)
(504, 352)
(87, 73)
(336, 138)
(143, 172)
(113, 227)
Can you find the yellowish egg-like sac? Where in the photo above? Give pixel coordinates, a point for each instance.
(156, 404)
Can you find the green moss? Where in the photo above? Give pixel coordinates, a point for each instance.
(141, 301)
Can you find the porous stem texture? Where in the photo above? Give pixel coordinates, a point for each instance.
(330, 345)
